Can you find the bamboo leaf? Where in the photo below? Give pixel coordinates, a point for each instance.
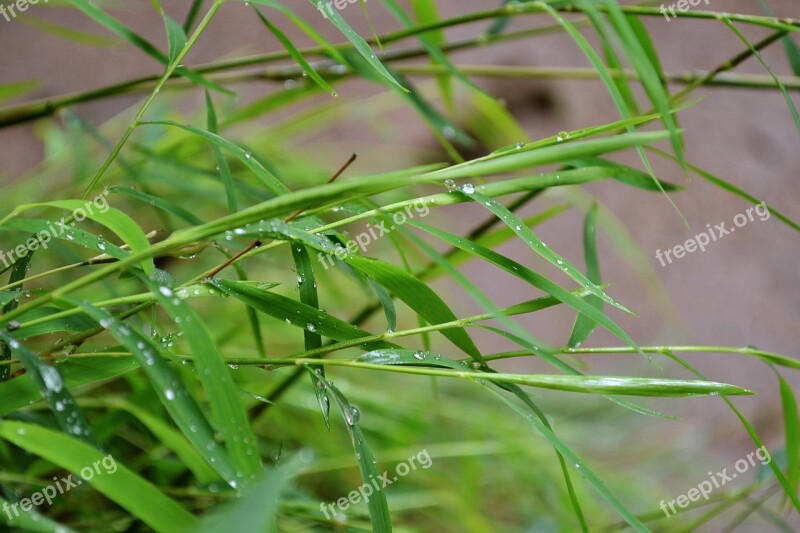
(126, 488)
(218, 383)
(171, 391)
(357, 41)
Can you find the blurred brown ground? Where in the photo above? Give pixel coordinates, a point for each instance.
(742, 290)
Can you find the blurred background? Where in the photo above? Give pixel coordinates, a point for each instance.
(743, 290)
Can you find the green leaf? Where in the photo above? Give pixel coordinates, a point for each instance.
(165, 434)
(295, 313)
(582, 468)
(526, 159)
(733, 189)
(789, 44)
(23, 390)
(776, 470)
(130, 491)
(649, 74)
(367, 465)
(247, 158)
(295, 53)
(118, 222)
(218, 383)
(526, 234)
(778, 82)
(308, 29)
(18, 272)
(307, 286)
(531, 277)
(258, 509)
(357, 41)
(176, 36)
(584, 325)
(159, 202)
(119, 29)
(416, 295)
(12, 90)
(791, 422)
(625, 174)
(52, 388)
(171, 391)
(32, 521)
(222, 163)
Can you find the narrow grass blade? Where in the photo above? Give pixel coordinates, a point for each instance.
(308, 29)
(776, 470)
(778, 82)
(158, 202)
(122, 31)
(118, 222)
(733, 189)
(791, 423)
(789, 44)
(625, 174)
(416, 295)
(584, 325)
(572, 458)
(32, 521)
(258, 510)
(649, 74)
(307, 286)
(218, 383)
(527, 235)
(171, 391)
(12, 90)
(124, 487)
(23, 390)
(51, 387)
(222, 163)
(368, 466)
(246, 157)
(526, 159)
(166, 435)
(18, 272)
(176, 36)
(426, 12)
(287, 44)
(529, 276)
(357, 41)
(295, 313)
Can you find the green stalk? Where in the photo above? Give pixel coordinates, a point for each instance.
(149, 100)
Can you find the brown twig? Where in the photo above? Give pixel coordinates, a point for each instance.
(291, 217)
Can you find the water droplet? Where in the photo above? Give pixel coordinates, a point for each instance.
(450, 184)
(166, 291)
(468, 188)
(520, 145)
(419, 354)
(169, 394)
(311, 327)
